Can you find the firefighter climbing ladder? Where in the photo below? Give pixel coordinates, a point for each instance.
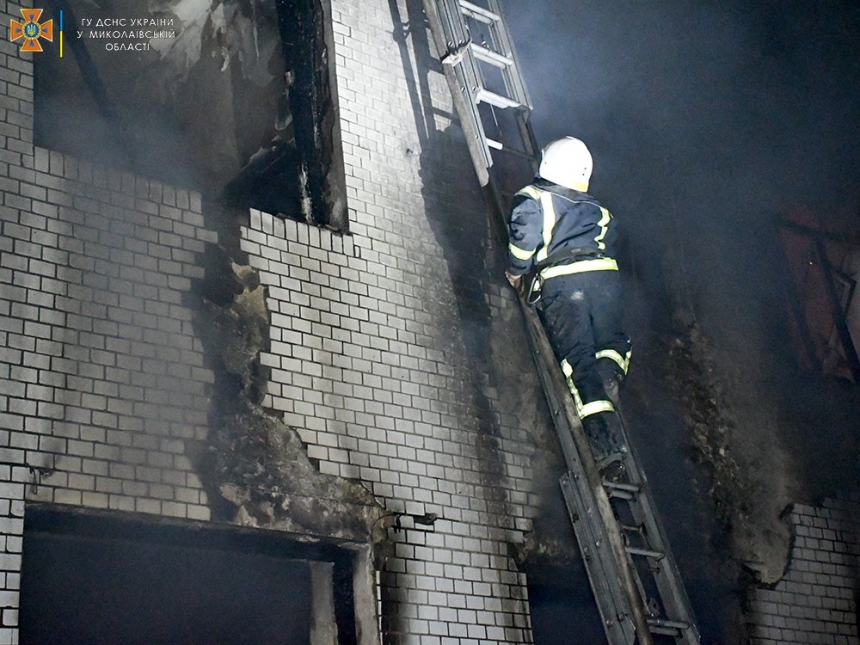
(633, 574)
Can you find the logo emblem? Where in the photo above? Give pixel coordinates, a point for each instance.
(31, 31)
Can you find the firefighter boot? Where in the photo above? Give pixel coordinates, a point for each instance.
(605, 446)
(611, 386)
(611, 377)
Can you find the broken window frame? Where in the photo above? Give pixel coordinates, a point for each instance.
(307, 46)
(315, 109)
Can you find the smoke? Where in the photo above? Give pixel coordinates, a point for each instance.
(707, 117)
(705, 120)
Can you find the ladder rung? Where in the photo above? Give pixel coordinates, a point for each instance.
(667, 627)
(486, 96)
(619, 490)
(479, 13)
(621, 494)
(621, 486)
(514, 151)
(491, 57)
(646, 553)
(501, 147)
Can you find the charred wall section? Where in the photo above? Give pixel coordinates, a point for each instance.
(170, 357)
(253, 465)
(392, 348)
(306, 41)
(236, 100)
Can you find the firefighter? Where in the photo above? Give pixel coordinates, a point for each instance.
(566, 240)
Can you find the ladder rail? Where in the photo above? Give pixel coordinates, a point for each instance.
(504, 44)
(612, 605)
(517, 97)
(613, 565)
(583, 471)
(470, 121)
(461, 59)
(673, 595)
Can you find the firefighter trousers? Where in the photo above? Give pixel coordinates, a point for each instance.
(582, 313)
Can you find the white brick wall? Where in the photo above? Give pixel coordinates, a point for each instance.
(381, 408)
(102, 375)
(16, 150)
(113, 376)
(815, 602)
(102, 383)
(370, 360)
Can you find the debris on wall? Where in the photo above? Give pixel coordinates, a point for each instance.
(254, 467)
(760, 538)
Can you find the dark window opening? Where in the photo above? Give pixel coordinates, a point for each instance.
(235, 100)
(824, 311)
(561, 604)
(107, 581)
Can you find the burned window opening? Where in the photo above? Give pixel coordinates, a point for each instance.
(306, 39)
(241, 105)
(302, 164)
(267, 584)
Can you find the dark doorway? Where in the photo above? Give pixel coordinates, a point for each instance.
(98, 591)
(563, 611)
(100, 580)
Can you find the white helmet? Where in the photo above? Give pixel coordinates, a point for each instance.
(567, 162)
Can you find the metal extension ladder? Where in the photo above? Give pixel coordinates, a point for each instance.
(489, 93)
(633, 575)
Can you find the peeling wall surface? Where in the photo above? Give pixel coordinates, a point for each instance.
(386, 367)
(816, 599)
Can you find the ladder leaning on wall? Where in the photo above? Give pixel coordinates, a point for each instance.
(633, 575)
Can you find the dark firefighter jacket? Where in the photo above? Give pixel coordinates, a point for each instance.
(560, 231)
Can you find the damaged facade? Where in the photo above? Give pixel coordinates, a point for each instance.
(251, 284)
(182, 355)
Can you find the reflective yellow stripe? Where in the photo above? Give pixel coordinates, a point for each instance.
(600, 264)
(568, 377)
(604, 228)
(622, 361)
(519, 253)
(595, 407)
(587, 409)
(581, 186)
(566, 368)
(548, 224)
(530, 191)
